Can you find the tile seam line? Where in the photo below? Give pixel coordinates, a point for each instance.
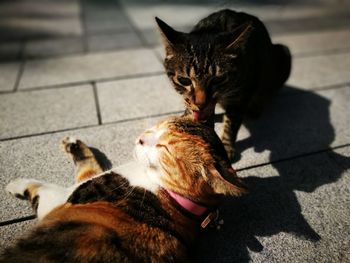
(332, 51)
(89, 126)
(97, 103)
(31, 217)
(77, 53)
(17, 220)
(84, 82)
(300, 55)
(295, 157)
(21, 66)
(82, 19)
(149, 75)
(136, 30)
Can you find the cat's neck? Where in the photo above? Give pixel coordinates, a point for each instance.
(137, 176)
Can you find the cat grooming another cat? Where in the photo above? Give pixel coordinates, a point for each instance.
(149, 210)
(228, 58)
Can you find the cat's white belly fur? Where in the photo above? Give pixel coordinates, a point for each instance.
(137, 175)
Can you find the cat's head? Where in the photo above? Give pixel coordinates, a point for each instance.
(188, 158)
(203, 66)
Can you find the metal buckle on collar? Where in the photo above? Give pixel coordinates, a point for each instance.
(213, 216)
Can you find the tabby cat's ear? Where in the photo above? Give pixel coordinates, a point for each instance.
(239, 37)
(171, 37)
(225, 181)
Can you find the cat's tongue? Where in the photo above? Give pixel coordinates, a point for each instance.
(196, 115)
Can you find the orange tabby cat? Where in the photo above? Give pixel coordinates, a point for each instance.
(146, 211)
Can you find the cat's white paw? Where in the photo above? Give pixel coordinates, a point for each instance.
(68, 143)
(19, 187)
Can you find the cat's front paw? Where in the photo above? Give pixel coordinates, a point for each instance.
(70, 144)
(21, 187)
(76, 149)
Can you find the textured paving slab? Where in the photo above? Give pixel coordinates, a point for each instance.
(10, 233)
(291, 205)
(8, 76)
(113, 41)
(139, 97)
(297, 122)
(82, 68)
(53, 47)
(33, 112)
(41, 157)
(315, 42)
(320, 71)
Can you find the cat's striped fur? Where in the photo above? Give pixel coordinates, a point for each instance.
(228, 58)
(128, 217)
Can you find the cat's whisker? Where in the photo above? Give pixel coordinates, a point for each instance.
(129, 193)
(143, 197)
(123, 184)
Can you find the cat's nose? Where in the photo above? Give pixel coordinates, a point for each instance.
(148, 139)
(140, 140)
(200, 98)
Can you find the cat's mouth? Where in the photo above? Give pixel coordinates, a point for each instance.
(204, 114)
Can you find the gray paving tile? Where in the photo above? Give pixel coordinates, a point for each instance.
(33, 112)
(41, 157)
(320, 71)
(175, 14)
(37, 19)
(280, 19)
(38, 73)
(139, 97)
(314, 42)
(288, 205)
(53, 47)
(125, 40)
(294, 125)
(10, 233)
(105, 16)
(308, 24)
(8, 76)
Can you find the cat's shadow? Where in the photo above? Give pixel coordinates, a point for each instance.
(297, 122)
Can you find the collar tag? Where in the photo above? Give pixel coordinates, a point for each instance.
(210, 217)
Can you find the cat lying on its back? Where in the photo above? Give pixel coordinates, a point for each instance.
(147, 211)
(227, 58)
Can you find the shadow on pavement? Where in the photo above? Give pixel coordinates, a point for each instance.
(298, 121)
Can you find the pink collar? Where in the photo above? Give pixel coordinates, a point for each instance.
(187, 204)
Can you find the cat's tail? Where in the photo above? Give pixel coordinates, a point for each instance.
(283, 62)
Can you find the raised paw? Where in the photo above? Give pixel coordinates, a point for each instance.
(70, 144)
(22, 188)
(76, 149)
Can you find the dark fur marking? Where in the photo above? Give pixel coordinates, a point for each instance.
(35, 203)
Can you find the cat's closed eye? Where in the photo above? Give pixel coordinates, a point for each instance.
(184, 81)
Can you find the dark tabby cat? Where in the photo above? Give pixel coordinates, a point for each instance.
(146, 211)
(227, 58)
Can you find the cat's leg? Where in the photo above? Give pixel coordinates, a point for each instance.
(43, 197)
(231, 125)
(84, 159)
